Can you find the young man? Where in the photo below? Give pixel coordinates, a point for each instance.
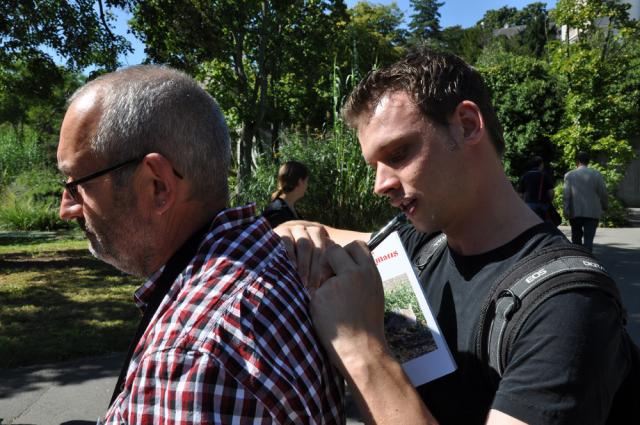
(226, 335)
(584, 199)
(427, 128)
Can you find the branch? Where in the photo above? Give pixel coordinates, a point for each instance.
(104, 21)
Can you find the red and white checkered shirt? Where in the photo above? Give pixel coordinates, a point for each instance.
(232, 341)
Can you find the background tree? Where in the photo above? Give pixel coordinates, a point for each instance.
(247, 48)
(536, 33)
(31, 35)
(528, 103)
(375, 36)
(77, 31)
(425, 21)
(464, 42)
(498, 18)
(600, 73)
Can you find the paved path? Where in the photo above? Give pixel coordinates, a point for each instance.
(76, 393)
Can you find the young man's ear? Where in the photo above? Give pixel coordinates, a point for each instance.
(161, 182)
(468, 117)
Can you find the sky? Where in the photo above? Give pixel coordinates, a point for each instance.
(454, 12)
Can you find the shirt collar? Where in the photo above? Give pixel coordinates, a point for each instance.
(224, 221)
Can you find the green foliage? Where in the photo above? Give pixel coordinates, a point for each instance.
(375, 36)
(532, 24)
(498, 18)
(425, 21)
(402, 297)
(528, 104)
(464, 42)
(31, 202)
(600, 74)
(266, 61)
(340, 192)
(75, 30)
(18, 153)
(586, 16)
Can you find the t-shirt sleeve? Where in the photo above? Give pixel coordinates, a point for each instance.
(567, 362)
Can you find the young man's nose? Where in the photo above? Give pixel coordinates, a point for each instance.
(386, 181)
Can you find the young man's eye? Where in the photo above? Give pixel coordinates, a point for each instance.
(398, 156)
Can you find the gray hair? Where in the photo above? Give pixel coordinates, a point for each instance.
(150, 108)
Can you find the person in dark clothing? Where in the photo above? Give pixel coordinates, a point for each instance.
(293, 178)
(536, 188)
(427, 128)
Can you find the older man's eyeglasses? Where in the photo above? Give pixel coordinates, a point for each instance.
(72, 186)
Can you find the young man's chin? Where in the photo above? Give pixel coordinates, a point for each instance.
(422, 225)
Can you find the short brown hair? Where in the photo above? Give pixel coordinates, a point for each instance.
(437, 83)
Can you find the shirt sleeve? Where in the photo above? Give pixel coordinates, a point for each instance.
(178, 387)
(566, 197)
(602, 192)
(565, 374)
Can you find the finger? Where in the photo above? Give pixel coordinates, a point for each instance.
(359, 252)
(338, 258)
(287, 240)
(304, 251)
(319, 269)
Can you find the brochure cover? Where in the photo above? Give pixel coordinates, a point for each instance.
(410, 328)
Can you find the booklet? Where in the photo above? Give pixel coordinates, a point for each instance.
(410, 328)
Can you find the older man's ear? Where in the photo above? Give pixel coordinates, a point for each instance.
(161, 183)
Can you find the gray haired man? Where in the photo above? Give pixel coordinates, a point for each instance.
(226, 336)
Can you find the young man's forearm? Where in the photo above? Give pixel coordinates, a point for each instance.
(383, 392)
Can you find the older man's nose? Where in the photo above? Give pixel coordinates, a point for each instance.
(69, 207)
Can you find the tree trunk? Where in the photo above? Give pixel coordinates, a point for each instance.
(244, 158)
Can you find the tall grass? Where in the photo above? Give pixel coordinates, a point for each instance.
(19, 151)
(340, 191)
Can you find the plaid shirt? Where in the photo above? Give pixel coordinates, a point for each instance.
(232, 341)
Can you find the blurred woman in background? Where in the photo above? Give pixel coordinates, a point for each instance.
(293, 177)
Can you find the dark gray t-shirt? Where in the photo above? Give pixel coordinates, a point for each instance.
(564, 367)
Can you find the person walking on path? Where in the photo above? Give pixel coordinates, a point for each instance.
(226, 335)
(536, 188)
(584, 199)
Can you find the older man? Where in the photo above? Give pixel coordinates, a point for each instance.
(226, 335)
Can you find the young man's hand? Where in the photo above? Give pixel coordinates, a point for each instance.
(305, 242)
(348, 308)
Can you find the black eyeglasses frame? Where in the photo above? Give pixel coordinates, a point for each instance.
(72, 186)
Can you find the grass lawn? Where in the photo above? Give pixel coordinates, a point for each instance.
(58, 302)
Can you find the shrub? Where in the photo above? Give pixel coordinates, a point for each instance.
(18, 152)
(340, 192)
(31, 202)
